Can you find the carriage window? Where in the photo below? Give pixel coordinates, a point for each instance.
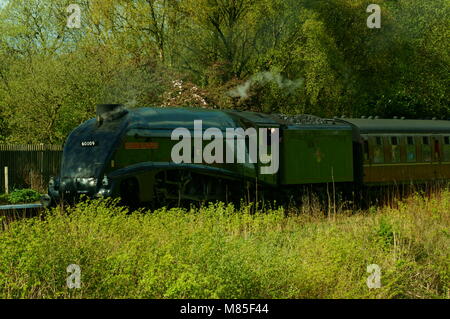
(395, 150)
(447, 140)
(394, 140)
(446, 148)
(410, 140)
(410, 150)
(366, 150)
(379, 141)
(426, 149)
(378, 151)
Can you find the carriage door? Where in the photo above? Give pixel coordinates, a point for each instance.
(437, 148)
(437, 155)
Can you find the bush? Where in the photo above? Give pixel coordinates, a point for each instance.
(23, 196)
(219, 251)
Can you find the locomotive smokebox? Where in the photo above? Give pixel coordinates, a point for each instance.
(109, 112)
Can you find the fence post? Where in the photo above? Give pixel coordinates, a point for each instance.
(6, 180)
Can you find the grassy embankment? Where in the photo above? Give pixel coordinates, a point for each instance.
(219, 252)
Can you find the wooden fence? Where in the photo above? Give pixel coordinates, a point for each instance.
(29, 166)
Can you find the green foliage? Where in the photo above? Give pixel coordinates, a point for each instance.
(385, 232)
(51, 76)
(23, 196)
(219, 251)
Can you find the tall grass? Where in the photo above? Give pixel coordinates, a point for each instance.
(222, 252)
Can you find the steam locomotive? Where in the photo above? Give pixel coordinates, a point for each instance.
(128, 153)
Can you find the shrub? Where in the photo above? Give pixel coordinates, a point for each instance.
(218, 251)
(23, 196)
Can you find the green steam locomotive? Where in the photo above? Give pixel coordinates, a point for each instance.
(160, 156)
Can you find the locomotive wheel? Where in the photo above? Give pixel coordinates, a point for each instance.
(129, 192)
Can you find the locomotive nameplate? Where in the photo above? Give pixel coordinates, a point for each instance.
(141, 146)
(89, 143)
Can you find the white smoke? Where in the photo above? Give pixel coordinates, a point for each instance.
(266, 77)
